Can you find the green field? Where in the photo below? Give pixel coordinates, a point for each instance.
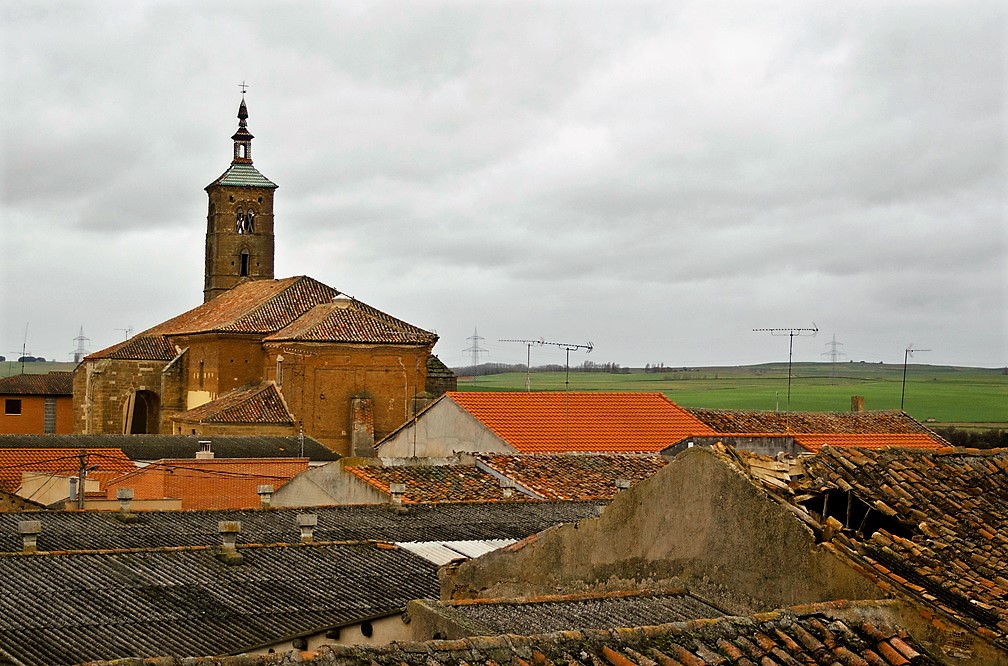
(949, 395)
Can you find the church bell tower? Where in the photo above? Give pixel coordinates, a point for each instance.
(239, 239)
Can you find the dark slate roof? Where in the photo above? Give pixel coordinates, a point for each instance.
(72, 530)
(350, 320)
(570, 612)
(437, 369)
(243, 174)
(51, 383)
(436, 483)
(156, 447)
(257, 403)
(72, 608)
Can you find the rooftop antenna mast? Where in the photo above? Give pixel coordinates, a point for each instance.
(24, 347)
(792, 333)
(568, 347)
(528, 358)
(128, 331)
(474, 349)
(907, 354)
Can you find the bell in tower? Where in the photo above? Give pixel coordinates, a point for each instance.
(239, 239)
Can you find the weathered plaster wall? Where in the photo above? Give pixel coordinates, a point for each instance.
(697, 522)
(442, 430)
(328, 484)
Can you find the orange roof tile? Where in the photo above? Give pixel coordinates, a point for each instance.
(56, 461)
(574, 476)
(217, 483)
(256, 403)
(554, 422)
(349, 320)
(51, 383)
(815, 441)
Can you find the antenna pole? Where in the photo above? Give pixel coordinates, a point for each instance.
(792, 333)
(528, 359)
(569, 347)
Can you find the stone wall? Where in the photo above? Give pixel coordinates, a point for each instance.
(698, 522)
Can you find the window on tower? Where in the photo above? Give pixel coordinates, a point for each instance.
(243, 270)
(240, 221)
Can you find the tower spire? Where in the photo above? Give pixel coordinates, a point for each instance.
(242, 138)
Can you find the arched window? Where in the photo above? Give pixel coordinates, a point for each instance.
(240, 221)
(249, 222)
(243, 269)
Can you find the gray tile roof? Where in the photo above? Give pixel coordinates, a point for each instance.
(569, 613)
(156, 447)
(71, 530)
(241, 174)
(68, 609)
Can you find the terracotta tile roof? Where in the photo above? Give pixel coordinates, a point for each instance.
(256, 403)
(73, 608)
(432, 484)
(56, 461)
(944, 535)
(51, 383)
(573, 476)
(155, 447)
(553, 422)
(815, 442)
(781, 637)
(726, 421)
(349, 320)
(141, 347)
(257, 306)
(931, 525)
(493, 617)
(217, 483)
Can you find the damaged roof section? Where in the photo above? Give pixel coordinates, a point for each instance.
(931, 525)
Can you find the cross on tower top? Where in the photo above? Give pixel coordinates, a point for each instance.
(244, 86)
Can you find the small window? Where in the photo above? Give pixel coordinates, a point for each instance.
(366, 629)
(244, 269)
(12, 406)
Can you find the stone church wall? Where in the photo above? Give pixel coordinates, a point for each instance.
(102, 389)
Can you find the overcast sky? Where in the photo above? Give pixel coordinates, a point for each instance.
(657, 179)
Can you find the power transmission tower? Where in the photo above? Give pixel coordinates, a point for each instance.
(908, 353)
(792, 333)
(528, 358)
(474, 349)
(834, 352)
(81, 351)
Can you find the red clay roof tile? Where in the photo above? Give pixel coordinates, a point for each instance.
(257, 403)
(554, 422)
(57, 461)
(51, 383)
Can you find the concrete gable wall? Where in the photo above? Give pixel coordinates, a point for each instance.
(440, 431)
(698, 522)
(326, 485)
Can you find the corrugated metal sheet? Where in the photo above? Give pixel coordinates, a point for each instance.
(443, 552)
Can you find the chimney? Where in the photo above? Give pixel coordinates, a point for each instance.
(307, 523)
(73, 488)
(29, 530)
(205, 453)
(622, 484)
(397, 490)
(857, 403)
(507, 487)
(229, 531)
(125, 496)
(265, 495)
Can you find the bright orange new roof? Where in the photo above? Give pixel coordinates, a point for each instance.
(555, 422)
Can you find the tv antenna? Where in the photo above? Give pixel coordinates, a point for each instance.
(128, 331)
(907, 354)
(569, 347)
(792, 333)
(474, 349)
(528, 358)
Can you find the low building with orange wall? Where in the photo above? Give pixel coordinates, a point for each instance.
(37, 404)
